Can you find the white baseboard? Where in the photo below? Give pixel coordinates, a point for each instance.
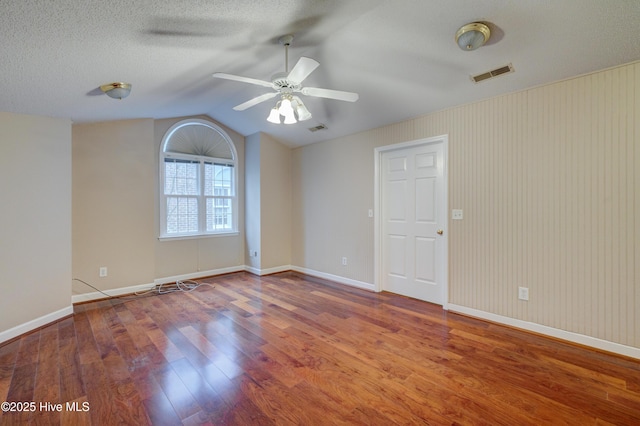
(581, 339)
(200, 274)
(87, 297)
(267, 271)
(569, 336)
(95, 295)
(35, 323)
(335, 278)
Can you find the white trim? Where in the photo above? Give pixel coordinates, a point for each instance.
(162, 197)
(193, 237)
(268, 271)
(581, 339)
(200, 274)
(114, 292)
(86, 297)
(377, 248)
(252, 270)
(335, 278)
(569, 336)
(35, 323)
(95, 295)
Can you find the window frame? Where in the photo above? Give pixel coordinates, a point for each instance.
(201, 197)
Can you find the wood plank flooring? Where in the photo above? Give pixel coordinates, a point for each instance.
(293, 350)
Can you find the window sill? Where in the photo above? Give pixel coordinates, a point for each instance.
(195, 237)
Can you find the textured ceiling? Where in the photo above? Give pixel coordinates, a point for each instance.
(400, 55)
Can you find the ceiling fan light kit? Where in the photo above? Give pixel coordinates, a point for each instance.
(116, 90)
(472, 36)
(290, 107)
(301, 111)
(286, 84)
(274, 115)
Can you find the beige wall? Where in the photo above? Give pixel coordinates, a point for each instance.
(275, 204)
(332, 190)
(268, 218)
(115, 211)
(35, 236)
(548, 180)
(188, 256)
(252, 201)
(113, 204)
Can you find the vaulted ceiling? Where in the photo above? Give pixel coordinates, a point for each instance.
(399, 56)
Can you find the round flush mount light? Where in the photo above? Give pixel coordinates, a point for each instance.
(472, 36)
(117, 90)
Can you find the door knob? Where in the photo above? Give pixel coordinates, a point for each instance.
(440, 231)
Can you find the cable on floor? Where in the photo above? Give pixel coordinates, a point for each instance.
(180, 285)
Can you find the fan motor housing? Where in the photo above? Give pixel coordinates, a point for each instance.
(281, 83)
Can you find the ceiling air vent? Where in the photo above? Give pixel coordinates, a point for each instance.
(318, 127)
(493, 73)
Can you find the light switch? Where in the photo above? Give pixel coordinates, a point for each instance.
(456, 214)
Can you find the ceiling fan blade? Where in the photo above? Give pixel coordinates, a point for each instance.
(255, 101)
(302, 69)
(330, 94)
(243, 79)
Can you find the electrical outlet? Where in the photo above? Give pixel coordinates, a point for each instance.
(523, 293)
(344, 261)
(103, 271)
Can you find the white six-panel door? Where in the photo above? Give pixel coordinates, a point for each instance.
(412, 204)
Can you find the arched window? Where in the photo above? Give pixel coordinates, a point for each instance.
(198, 178)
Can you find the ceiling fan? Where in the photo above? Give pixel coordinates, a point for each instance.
(285, 85)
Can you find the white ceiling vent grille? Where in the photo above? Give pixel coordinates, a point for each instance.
(493, 73)
(318, 127)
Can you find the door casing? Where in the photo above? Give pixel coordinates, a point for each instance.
(378, 208)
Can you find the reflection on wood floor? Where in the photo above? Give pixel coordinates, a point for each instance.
(289, 349)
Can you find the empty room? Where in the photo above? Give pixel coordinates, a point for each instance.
(320, 212)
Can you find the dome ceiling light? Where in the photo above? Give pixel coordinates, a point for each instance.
(472, 36)
(117, 90)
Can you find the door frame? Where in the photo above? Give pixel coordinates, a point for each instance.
(377, 261)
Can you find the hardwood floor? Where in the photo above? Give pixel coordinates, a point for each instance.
(288, 349)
